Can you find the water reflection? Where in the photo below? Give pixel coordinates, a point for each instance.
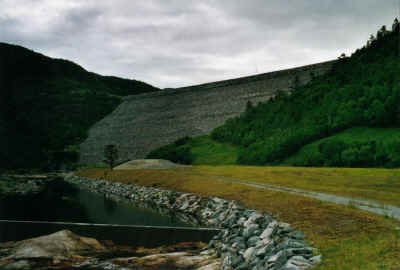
(60, 201)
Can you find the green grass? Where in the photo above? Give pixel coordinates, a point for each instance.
(206, 151)
(385, 137)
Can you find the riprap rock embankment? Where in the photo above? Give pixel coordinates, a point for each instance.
(248, 239)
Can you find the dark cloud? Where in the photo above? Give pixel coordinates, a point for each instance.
(180, 42)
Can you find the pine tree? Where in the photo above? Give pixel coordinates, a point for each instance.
(110, 155)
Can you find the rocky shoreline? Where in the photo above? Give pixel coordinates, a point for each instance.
(24, 184)
(248, 239)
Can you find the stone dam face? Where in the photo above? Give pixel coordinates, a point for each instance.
(147, 121)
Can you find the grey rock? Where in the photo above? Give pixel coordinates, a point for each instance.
(243, 266)
(264, 250)
(237, 260)
(316, 259)
(269, 230)
(241, 221)
(253, 218)
(249, 253)
(252, 241)
(227, 260)
(297, 263)
(277, 260)
(249, 230)
(239, 244)
(305, 252)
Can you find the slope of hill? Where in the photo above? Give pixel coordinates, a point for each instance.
(47, 105)
(355, 147)
(361, 90)
(147, 121)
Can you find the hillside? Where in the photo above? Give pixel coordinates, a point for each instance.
(47, 106)
(361, 90)
(144, 122)
(355, 147)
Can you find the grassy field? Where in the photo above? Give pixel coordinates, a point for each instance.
(347, 238)
(381, 185)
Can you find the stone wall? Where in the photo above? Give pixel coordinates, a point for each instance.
(24, 184)
(147, 121)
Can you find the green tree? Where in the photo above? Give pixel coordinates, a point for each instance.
(332, 152)
(342, 56)
(371, 40)
(382, 32)
(110, 155)
(396, 25)
(249, 105)
(296, 81)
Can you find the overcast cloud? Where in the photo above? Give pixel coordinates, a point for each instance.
(182, 42)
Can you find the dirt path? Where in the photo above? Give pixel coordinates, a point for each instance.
(367, 205)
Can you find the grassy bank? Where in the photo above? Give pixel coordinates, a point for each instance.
(199, 150)
(347, 238)
(354, 147)
(381, 185)
(209, 152)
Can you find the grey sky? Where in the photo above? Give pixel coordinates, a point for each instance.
(182, 42)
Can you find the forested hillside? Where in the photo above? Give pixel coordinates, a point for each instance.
(360, 91)
(47, 106)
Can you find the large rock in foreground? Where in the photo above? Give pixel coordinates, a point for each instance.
(61, 249)
(60, 245)
(65, 250)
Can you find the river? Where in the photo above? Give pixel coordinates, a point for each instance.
(64, 203)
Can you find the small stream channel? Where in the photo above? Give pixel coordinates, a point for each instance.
(61, 204)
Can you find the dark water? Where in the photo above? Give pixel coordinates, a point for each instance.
(61, 201)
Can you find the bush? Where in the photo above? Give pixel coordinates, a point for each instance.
(177, 152)
(331, 152)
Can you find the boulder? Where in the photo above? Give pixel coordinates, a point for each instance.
(62, 248)
(63, 244)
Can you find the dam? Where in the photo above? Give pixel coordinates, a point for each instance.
(147, 121)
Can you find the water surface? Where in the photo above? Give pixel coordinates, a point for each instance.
(63, 202)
